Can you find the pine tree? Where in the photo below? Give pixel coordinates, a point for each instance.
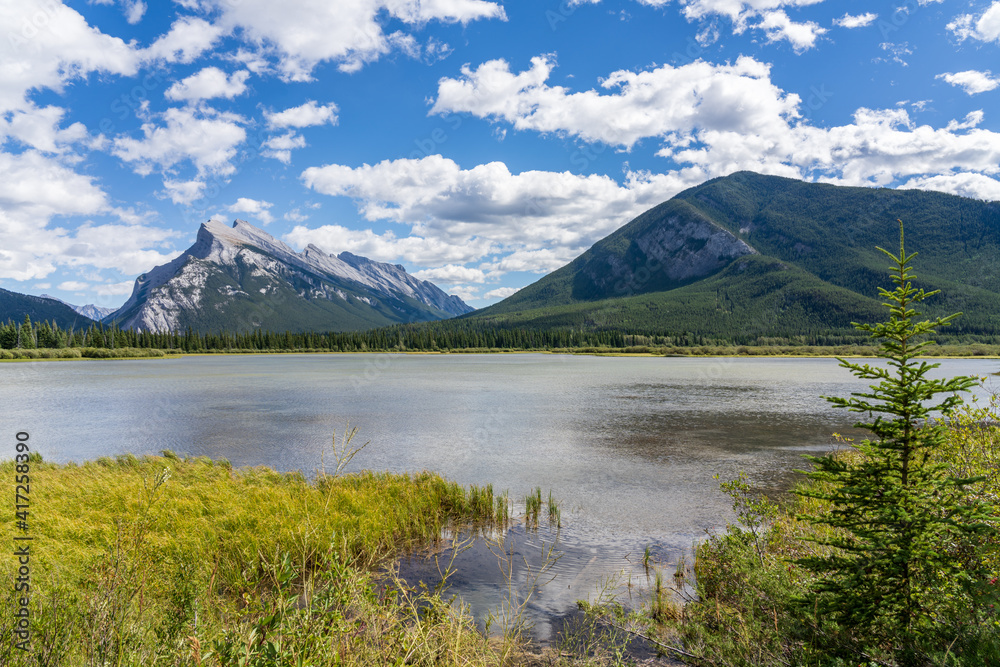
(8, 336)
(26, 335)
(892, 578)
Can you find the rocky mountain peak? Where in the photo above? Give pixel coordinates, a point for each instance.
(241, 269)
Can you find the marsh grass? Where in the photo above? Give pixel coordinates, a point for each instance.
(82, 353)
(163, 560)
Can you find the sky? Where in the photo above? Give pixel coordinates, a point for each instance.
(480, 144)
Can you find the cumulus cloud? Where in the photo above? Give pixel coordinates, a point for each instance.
(501, 292)
(777, 26)
(206, 138)
(985, 27)
(304, 115)
(460, 215)
(39, 128)
(976, 186)
(387, 247)
(187, 39)
(304, 33)
(35, 188)
(667, 100)
(859, 21)
(114, 289)
(208, 83)
(452, 273)
(721, 118)
(134, 11)
(258, 208)
(971, 81)
(47, 45)
(183, 192)
(280, 147)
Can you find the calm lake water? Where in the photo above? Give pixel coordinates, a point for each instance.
(628, 446)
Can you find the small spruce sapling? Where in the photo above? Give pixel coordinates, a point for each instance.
(891, 580)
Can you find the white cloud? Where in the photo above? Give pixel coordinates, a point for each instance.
(304, 33)
(47, 45)
(976, 186)
(766, 15)
(35, 187)
(295, 215)
(859, 21)
(716, 119)
(38, 128)
(114, 289)
(73, 285)
(208, 83)
(255, 207)
(452, 273)
(777, 26)
(896, 51)
(33, 190)
(985, 27)
(971, 81)
(660, 102)
(134, 11)
(183, 192)
(457, 216)
(280, 147)
(304, 115)
(388, 247)
(187, 39)
(501, 292)
(125, 248)
(205, 137)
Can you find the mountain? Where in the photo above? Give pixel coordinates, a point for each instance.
(242, 278)
(755, 255)
(14, 306)
(97, 313)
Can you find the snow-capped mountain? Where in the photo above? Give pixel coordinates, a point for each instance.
(97, 313)
(242, 278)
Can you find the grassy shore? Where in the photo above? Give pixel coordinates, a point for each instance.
(740, 602)
(170, 561)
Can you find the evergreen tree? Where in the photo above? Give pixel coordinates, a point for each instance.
(8, 336)
(26, 335)
(893, 578)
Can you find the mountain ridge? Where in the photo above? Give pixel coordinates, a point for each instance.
(665, 259)
(242, 278)
(14, 306)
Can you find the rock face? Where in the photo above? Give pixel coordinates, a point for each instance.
(242, 278)
(677, 250)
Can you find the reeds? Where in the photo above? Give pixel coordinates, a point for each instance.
(163, 560)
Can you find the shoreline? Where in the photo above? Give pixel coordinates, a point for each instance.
(59, 354)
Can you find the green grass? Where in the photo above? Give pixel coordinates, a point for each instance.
(170, 561)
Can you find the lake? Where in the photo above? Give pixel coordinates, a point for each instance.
(629, 446)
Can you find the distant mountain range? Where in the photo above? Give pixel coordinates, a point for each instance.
(14, 306)
(754, 255)
(241, 278)
(742, 257)
(91, 311)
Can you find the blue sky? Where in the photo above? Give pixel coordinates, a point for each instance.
(480, 144)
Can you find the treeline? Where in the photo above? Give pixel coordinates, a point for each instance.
(422, 337)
